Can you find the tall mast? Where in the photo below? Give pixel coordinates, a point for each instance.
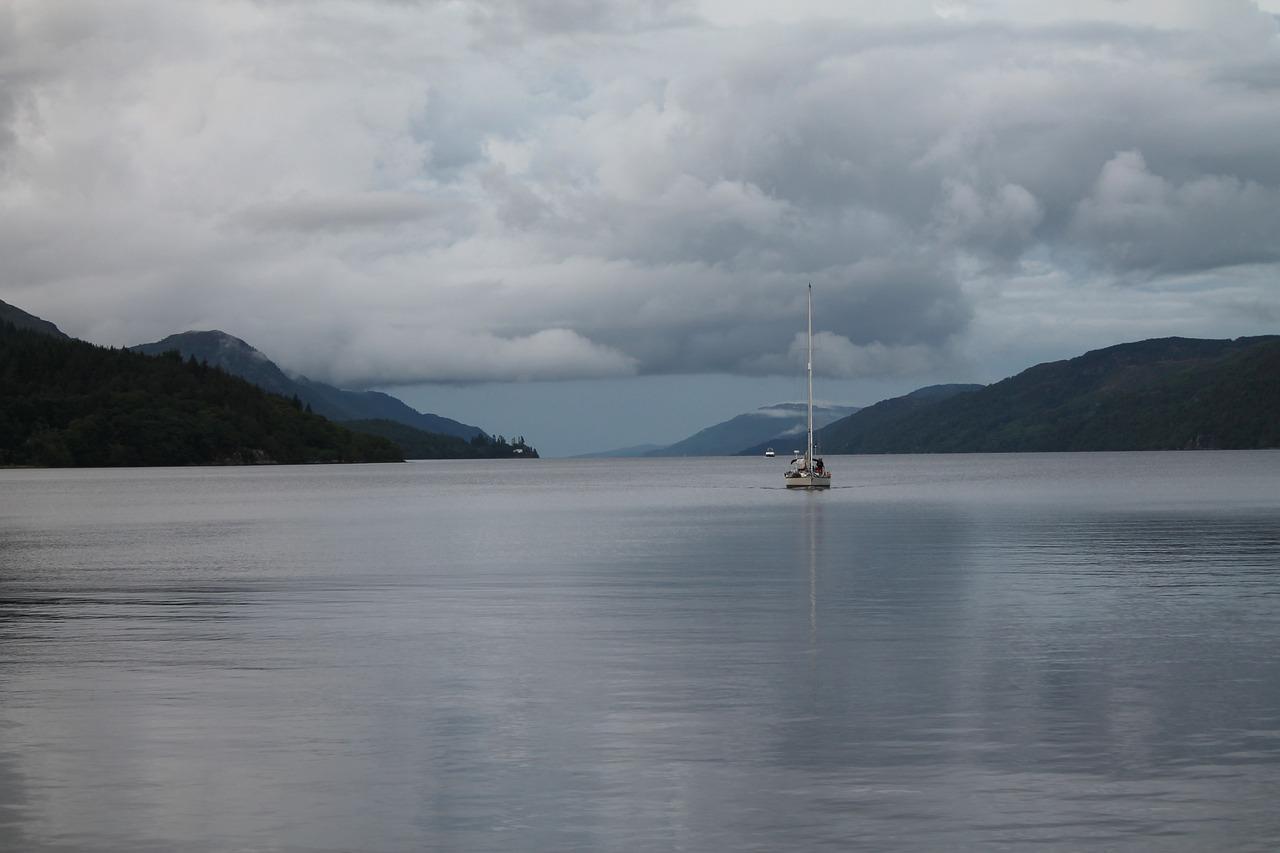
(808, 455)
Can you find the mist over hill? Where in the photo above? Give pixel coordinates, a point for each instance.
(1164, 393)
(145, 413)
(729, 437)
(884, 412)
(240, 359)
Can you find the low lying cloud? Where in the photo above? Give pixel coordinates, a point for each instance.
(402, 356)
(839, 357)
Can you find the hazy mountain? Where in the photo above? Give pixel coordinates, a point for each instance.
(240, 359)
(731, 436)
(1161, 394)
(621, 452)
(70, 403)
(23, 320)
(886, 412)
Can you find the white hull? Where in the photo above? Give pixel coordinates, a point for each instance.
(809, 481)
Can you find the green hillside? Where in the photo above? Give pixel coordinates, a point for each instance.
(1162, 394)
(70, 403)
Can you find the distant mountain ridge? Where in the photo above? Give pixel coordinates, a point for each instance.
(240, 359)
(68, 403)
(766, 423)
(1158, 394)
(22, 320)
(886, 412)
(620, 452)
(1163, 393)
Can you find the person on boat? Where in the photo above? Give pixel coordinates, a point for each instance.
(817, 465)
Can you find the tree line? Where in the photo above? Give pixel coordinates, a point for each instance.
(68, 403)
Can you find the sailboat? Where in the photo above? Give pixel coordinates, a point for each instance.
(808, 471)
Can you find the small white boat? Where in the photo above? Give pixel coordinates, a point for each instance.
(808, 471)
(768, 453)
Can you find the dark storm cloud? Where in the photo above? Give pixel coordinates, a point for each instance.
(555, 188)
(336, 213)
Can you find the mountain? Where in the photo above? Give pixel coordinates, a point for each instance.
(621, 452)
(1160, 394)
(883, 415)
(767, 423)
(240, 359)
(70, 403)
(419, 444)
(22, 320)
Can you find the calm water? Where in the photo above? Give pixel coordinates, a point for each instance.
(963, 652)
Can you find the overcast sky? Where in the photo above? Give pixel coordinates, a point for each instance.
(596, 219)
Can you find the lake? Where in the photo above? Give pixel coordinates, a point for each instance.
(1059, 651)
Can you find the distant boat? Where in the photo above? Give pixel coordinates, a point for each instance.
(768, 452)
(808, 471)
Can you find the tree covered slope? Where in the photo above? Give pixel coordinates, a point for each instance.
(70, 403)
(420, 444)
(1161, 394)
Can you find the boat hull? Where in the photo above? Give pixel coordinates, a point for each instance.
(809, 481)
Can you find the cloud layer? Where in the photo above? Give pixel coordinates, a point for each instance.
(391, 192)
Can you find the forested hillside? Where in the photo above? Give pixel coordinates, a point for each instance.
(69, 403)
(1162, 394)
(420, 444)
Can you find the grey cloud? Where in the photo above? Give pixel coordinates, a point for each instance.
(511, 20)
(578, 188)
(1137, 220)
(8, 136)
(1002, 220)
(337, 213)
(1262, 75)
(882, 303)
(837, 356)
(395, 355)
